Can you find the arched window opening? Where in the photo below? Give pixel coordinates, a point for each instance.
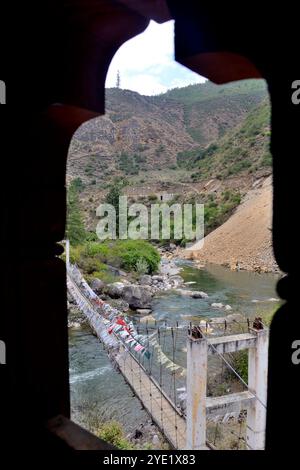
(170, 138)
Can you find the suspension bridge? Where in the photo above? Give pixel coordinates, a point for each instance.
(166, 366)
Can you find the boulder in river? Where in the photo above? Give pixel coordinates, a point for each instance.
(137, 296)
(115, 290)
(192, 293)
(185, 292)
(217, 305)
(199, 295)
(143, 311)
(175, 281)
(169, 267)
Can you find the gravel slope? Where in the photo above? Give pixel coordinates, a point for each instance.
(244, 240)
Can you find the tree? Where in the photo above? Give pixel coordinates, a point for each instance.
(75, 231)
(112, 198)
(77, 183)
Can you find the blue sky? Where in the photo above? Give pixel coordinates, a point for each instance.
(146, 63)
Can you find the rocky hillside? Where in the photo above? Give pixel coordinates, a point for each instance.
(164, 133)
(243, 149)
(210, 111)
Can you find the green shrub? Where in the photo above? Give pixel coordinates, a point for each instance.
(78, 184)
(196, 176)
(90, 265)
(239, 166)
(75, 253)
(130, 251)
(96, 248)
(91, 236)
(141, 266)
(187, 158)
(113, 433)
(129, 164)
(266, 159)
(130, 255)
(105, 275)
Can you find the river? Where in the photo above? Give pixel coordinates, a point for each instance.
(99, 393)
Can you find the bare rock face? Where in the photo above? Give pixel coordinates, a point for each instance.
(138, 297)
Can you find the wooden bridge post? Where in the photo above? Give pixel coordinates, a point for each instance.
(196, 392)
(257, 383)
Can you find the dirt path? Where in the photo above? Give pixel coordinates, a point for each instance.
(244, 240)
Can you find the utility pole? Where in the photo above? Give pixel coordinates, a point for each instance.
(118, 82)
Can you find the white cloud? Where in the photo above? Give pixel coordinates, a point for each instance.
(146, 62)
(144, 84)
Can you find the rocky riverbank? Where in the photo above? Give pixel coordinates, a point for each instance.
(136, 295)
